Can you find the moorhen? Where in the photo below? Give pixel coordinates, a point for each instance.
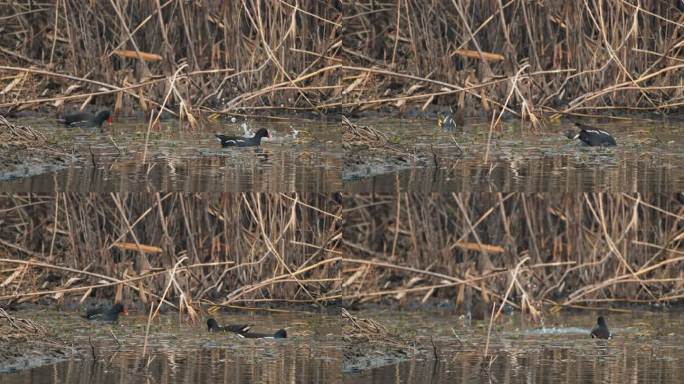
(106, 314)
(236, 141)
(279, 334)
(213, 326)
(591, 136)
(87, 120)
(447, 121)
(601, 331)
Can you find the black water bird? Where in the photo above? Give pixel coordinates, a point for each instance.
(86, 120)
(601, 331)
(447, 121)
(213, 326)
(591, 136)
(106, 314)
(279, 334)
(237, 141)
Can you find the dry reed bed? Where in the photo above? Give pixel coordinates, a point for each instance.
(228, 249)
(574, 249)
(531, 58)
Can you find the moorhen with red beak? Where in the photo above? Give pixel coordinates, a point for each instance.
(86, 120)
(236, 141)
(106, 314)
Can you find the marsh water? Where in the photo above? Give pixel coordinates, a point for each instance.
(180, 159)
(183, 353)
(649, 157)
(648, 347)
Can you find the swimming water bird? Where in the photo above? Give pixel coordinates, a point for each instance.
(601, 331)
(86, 120)
(213, 326)
(279, 334)
(236, 141)
(591, 136)
(446, 121)
(106, 314)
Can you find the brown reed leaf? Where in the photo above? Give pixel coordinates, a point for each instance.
(137, 55)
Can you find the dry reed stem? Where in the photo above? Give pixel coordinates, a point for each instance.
(112, 280)
(155, 119)
(154, 311)
(496, 122)
(360, 330)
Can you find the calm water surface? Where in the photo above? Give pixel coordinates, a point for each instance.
(648, 348)
(181, 353)
(649, 157)
(181, 160)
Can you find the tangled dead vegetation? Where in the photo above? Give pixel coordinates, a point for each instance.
(369, 344)
(26, 150)
(18, 135)
(359, 137)
(25, 343)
